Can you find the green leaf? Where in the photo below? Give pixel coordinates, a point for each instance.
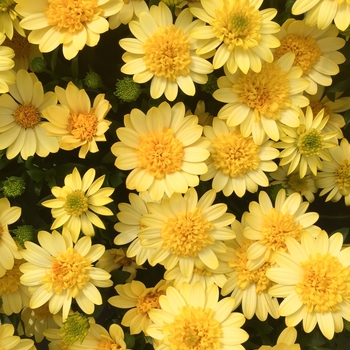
(129, 340)
(36, 174)
(343, 230)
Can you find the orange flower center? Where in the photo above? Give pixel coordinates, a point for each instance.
(148, 302)
(107, 344)
(19, 44)
(83, 126)
(10, 282)
(27, 116)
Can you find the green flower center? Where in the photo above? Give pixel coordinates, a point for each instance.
(310, 143)
(342, 178)
(76, 203)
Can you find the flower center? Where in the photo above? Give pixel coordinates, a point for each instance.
(317, 106)
(27, 116)
(342, 178)
(107, 344)
(201, 271)
(71, 14)
(70, 271)
(237, 23)
(310, 142)
(167, 53)
(306, 50)
(75, 328)
(234, 154)
(148, 302)
(76, 203)
(42, 312)
(187, 234)
(276, 227)
(10, 282)
(266, 92)
(160, 153)
(325, 284)
(19, 44)
(194, 329)
(297, 184)
(5, 4)
(83, 126)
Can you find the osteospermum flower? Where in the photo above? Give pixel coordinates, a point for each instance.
(164, 149)
(7, 76)
(73, 23)
(316, 51)
(9, 19)
(285, 341)
(236, 163)
(306, 145)
(164, 52)
(75, 122)
(180, 229)
(9, 341)
(269, 225)
(193, 318)
(334, 178)
(313, 278)
(57, 272)
(8, 247)
(77, 202)
(260, 102)
(240, 33)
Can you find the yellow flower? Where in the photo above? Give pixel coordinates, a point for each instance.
(334, 178)
(9, 19)
(315, 51)
(236, 162)
(313, 278)
(261, 102)
(140, 300)
(77, 202)
(285, 341)
(8, 247)
(322, 12)
(181, 229)
(249, 288)
(9, 341)
(164, 52)
(193, 318)
(204, 118)
(73, 23)
(240, 33)
(304, 146)
(164, 148)
(75, 122)
(269, 225)
(7, 76)
(57, 271)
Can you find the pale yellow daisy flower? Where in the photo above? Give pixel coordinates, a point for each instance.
(72, 23)
(285, 341)
(75, 122)
(334, 178)
(8, 247)
(21, 122)
(140, 300)
(164, 52)
(316, 51)
(78, 202)
(204, 117)
(9, 341)
(306, 145)
(240, 34)
(261, 102)
(193, 317)
(236, 163)
(9, 19)
(269, 225)
(7, 75)
(57, 271)
(313, 278)
(164, 148)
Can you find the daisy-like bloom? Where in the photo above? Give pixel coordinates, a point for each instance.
(21, 121)
(164, 52)
(164, 148)
(75, 122)
(193, 318)
(293, 183)
(314, 280)
(306, 145)
(77, 202)
(73, 23)
(285, 341)
(260, 102)
(236, 163)
(315, 51)
(241, 34)
(9, 341)
(249, 288)
(129, 11)
(269, 225)
(323, 12)
(183, 228)
(9, 19)
(140, 300)
(58, 271)
(8, 247)
(334, 178)
(13, 294)
(7, 76)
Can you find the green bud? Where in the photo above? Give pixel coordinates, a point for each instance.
(24, 233)
(38, 65)
(127, 90)
(210, 85)
(75, 328)
(93, 80)
(13, 187)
